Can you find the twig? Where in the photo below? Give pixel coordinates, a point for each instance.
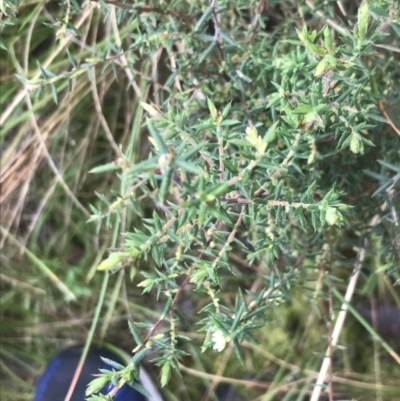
(229, 240)
(246, 383)
(213, 5)
(152, 331)
(17, 283)
(255, 24)
(221, 156)
(284, 163)
(296, 369)
(388, 119)
(222, 379)
(339, 322)
(50, 160)
(102, 119)
(329, 21)
(221, 368)
(387, 47)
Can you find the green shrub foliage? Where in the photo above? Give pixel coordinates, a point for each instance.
(273, 144)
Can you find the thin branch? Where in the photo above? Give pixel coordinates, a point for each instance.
(339, 322)
(284, 163)
(329, 21)
(230, 239)
(221, 156)
(25, 286)
(296, 369)
(247, 383)
(50, 160)
(255, 24)
(102, 119)
(213, 5)
(388, 119)
(222, 379)
(153, 330)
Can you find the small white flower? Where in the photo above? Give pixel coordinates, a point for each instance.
(219, 340)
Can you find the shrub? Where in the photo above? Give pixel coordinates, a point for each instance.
(273, 146)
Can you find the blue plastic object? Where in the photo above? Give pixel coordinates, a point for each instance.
(54, 383)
